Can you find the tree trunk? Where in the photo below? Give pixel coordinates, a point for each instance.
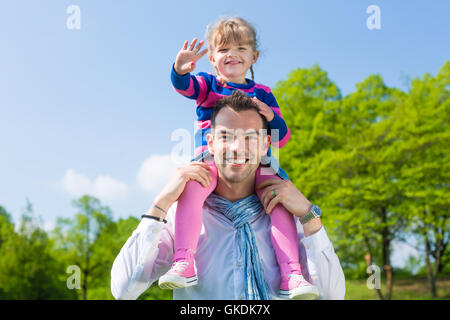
(439, 251)
(430, 276)
(85, 286)
(386, 254)
(389, 280)
(368, 258)
(432, 272)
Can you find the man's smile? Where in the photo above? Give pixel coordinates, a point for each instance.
(236, 162)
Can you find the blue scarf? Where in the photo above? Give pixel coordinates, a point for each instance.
(242, 213)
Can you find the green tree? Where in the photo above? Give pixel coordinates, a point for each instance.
(6, 233)
(425, 173)
(29, 268)
(338, 157)
(109, 243)
(80, 241)
(6, 226)
(370, 174)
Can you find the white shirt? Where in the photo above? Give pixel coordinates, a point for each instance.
(147, 255)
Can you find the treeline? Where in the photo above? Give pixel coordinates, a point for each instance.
(376, 161)
(73, 261)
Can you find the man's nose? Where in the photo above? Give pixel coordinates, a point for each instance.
(238, 145)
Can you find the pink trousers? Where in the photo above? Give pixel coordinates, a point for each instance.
(188, 222)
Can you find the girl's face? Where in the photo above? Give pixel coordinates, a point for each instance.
(232, 61)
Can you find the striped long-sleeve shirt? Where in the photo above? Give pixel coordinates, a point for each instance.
(206, 90)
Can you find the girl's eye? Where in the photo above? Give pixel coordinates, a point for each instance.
(242, 48)
(223, 50)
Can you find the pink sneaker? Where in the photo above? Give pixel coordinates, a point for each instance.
(182, 274)
(294, 286)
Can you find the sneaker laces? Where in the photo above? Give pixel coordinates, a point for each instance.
(296, 277)
(180, 266)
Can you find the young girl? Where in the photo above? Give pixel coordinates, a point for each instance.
(232, 52)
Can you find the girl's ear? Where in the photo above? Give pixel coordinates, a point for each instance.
(255, 56)
(211, 59)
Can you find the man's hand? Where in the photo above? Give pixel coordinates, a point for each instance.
(264, 109)
(198, 171)
(284, 192)
(187, 57)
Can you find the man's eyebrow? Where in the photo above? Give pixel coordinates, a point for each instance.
(252, 132)
(232, 131)
(224, 131)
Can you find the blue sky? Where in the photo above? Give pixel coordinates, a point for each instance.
(93, 110)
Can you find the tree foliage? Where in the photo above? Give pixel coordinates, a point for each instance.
(376, 160)
(29, 268)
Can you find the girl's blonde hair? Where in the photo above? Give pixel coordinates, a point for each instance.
(231, 30)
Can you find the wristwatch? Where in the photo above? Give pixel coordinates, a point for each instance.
(314, 212)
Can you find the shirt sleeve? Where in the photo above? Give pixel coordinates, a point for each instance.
(282, 134)
(145, 257)
(194, 87)
(322, 264)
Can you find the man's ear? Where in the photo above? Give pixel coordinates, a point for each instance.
(209, 140)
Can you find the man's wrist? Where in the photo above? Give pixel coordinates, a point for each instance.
(304, 209)
(310, 219)
(312, 226)
(153, 211)
(159, 207)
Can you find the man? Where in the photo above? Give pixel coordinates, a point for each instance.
(225, 269)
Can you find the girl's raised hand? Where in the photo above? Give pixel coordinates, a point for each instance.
(187, 57)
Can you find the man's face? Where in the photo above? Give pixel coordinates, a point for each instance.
(237, 144)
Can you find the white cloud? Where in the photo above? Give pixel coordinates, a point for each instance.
(156, 170)
(151, 177)
(103, 187)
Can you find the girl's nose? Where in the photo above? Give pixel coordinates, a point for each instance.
(231, 53)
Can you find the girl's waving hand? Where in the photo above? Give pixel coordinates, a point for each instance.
(188, 56)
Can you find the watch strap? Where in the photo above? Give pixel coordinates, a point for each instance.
(309, 216)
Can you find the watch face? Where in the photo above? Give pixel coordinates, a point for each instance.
(316, 210)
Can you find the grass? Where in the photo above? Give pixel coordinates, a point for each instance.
(403, 289)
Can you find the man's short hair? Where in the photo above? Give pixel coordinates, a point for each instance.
(238, 101)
